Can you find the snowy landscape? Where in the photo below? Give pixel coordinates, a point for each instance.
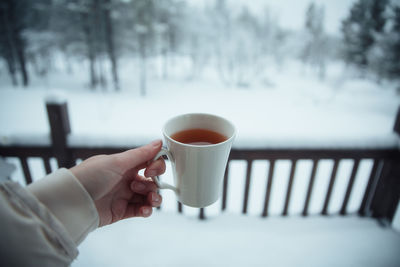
(277, 96)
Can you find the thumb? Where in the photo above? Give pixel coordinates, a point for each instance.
(135, 157)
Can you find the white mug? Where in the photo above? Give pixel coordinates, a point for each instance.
(198, 170)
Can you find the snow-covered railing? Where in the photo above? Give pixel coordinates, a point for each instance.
(379, 200)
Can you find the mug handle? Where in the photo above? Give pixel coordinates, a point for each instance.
(156, 178)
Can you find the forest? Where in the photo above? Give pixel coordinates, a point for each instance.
(237, 44)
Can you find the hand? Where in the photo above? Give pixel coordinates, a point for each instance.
(114, 184)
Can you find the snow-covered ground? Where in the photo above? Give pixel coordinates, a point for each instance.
(287, 108)
(229, 240)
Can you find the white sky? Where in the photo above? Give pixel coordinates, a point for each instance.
(291, 12)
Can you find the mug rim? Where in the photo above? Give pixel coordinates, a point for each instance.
(230, 139)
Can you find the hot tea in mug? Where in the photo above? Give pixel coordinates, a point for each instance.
(199, 137)
(198, 146)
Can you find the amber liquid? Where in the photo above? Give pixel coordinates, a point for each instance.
(198, 137)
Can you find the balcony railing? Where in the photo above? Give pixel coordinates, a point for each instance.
(379, 200)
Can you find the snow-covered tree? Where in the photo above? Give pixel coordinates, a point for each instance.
(365, 21)
(393, 45)
(168, 28)
(314, 52)
(14, 21)
(384, 56)
(247, 48)
(239, 44)
(144, 27)
(222, 29)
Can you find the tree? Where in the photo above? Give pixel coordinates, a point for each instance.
(196, 40)
(42, 41)
(222, 34)
(238, 47)
(110, 41)
(13, 23)
(394, 69)
(378, 19)
(87, 28)
(76, 28)
(7, 48)
(168, 25)
(314, 52)
(387, 51)
(365, 21)
(247, 48)
(144, 18)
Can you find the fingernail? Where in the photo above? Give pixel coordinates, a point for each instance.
(156, 143)
(151, 173)
(138, 186)
(155, 198)
(146, 211)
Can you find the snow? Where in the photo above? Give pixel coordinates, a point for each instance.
(290, 14)
(288, 108)
(294, 110)
(56, 97)
(231, 239)
(282, 104)
(172, 240)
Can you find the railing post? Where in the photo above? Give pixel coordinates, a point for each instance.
(330, 187)
(396, 126)
(375, 171)
(179, 207)
(202, 215)
(57, 113)
(225, 187)
(289, 188)
(349, 187)
(269, 187)
(247, 185)
(310, 187)
(387, 194)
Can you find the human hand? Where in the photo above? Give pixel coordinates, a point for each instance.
(114, 184)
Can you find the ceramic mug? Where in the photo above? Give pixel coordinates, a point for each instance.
(198, 170)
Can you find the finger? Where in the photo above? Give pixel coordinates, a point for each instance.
(154, 199)
(138, 199)
(155, 168)
(141, 166)
(143, 186)
(135, 210)
(131, 174)
(134, 157)
(148, 163)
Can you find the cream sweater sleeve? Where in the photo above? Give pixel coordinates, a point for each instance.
(68, 200)
(42, 224)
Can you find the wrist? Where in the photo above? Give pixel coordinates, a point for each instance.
(94, 176)
(80, 177)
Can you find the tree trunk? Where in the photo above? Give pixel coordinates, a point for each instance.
(142, 48)
(109, 35)
(102, 78)
(8, 41)
(11, 69)
(92, 70)
(165, 63)
(20, 49)
(96, 27)
(90, 50)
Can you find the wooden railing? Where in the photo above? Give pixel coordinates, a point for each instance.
(379, 200)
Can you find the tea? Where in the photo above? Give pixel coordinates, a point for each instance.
(199, 137)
